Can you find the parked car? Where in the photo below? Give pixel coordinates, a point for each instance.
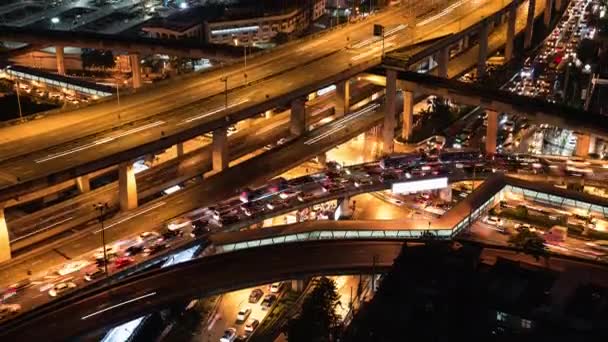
(268, 301)
(243, 314)
(255, 295)
(229, 335)
(251, 324)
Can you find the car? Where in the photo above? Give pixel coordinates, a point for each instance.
(275, 287)
(60, 288)
(20, 285)
(251, 324)
(493, 220)
(255, 295)
(123, 261)
(134, 249)
(155, 248)
(95, 274)
(243, 314)
(268, 301)
(148, 236)
(229, 335)
(111, 251)
(524, 226)
(171, 234)
(178, 224)
(288, 194)
(199, 228)
(72, 266)
(7, 310)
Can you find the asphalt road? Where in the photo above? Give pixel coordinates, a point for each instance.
(95, 132)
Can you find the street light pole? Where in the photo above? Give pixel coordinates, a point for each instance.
(18, 100)
(103, 207)
(225, 80)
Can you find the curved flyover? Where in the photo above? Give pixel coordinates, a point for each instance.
(85, 312)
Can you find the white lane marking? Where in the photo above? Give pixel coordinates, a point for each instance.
(157, 205)
(42, 229)
(214, 111)
(99, 142)
(446, 11)
(340, 124)
(118, 305)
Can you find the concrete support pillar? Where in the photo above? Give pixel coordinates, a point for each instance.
(343, 95)
(548, 12)
(510, 33)
(491, 131)
(219, 150)
(83, 184)
(345, 208)
(408, 115)
(297, 122)
(180, 149)
(465, 41)
(483, 49)
(388, 133)
(5, 246)
(127, 186)
(297, 285)
(60, 59)
(322, 159)
(558, 5)
(529, 24)
(583, 143)
(443, 62)
(135, 70)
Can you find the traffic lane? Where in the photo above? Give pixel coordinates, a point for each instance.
(202, 277)
(231, 303)
(151, 101)
(154, 130)
(169, 173)
(153, 215)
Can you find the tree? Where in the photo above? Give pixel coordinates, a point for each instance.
(530, 243)
(521, 212)
(97, 59)
(318, 320)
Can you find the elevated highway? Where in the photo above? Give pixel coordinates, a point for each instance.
(174, 114)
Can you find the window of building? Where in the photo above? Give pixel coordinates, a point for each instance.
(501, 316)
(526, 323)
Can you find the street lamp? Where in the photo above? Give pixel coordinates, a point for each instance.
(103, 208)
(225, 80)
(18, 99)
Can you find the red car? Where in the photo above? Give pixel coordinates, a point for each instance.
(123, 261)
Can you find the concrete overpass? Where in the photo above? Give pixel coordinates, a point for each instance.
(49, 166)
(125, 171)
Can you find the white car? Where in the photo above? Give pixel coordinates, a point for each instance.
(111, 251)
(243, 314)
(251, 324)
(61, 288)
(229, 335)
(7, 310)
(72, 267)
(148, 236)
(521, 226)
(275, 287)
(178, 224)
(493, 220)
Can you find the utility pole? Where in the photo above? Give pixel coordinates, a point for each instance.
(18, 100)
(225, 80)
(103, 207)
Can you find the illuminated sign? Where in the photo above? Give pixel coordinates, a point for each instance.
(236, 30)
(420, 185)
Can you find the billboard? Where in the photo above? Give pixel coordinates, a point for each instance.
(419, 185)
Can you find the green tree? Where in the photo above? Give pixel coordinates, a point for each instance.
(92, 58)
(530, 243)
(318, 320)
(521, 212)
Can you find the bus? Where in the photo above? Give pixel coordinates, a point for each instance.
(400, 160)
